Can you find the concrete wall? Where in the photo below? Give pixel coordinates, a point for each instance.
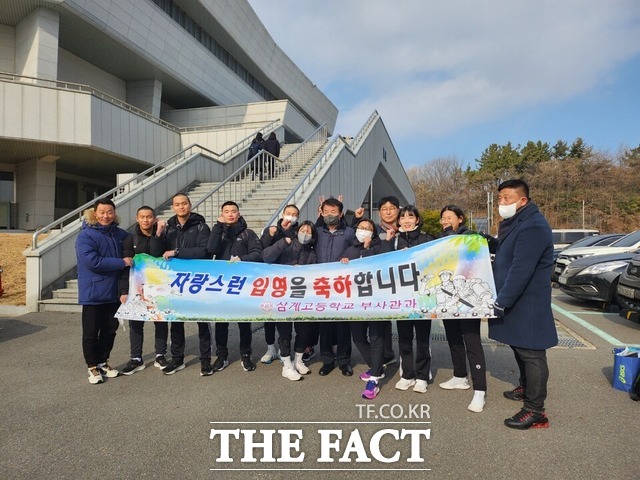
(75, 70)
(36, 42)
(7, 49)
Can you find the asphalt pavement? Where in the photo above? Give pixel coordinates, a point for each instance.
(55, 425)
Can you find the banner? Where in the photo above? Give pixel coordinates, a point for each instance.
(447, 278)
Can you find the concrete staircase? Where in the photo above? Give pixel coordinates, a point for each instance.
(256, 207)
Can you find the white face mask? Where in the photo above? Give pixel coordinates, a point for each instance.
(304, 238)
(363, 235)
(507, 211)
(290, 218)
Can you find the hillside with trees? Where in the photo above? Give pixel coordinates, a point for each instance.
(574, 185)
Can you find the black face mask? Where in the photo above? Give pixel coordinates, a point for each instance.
(331, 220)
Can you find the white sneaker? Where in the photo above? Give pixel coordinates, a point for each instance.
(478, 401)
(420, 386)
(404, 384)
(456, 383)
(300, 366)
(95, 376)
(270, 356)
(107, 371)
(289, 372)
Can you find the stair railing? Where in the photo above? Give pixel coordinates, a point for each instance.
(262, 166)
(146, 177)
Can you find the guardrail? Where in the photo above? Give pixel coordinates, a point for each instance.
(327, 157)
(148, 176)
(262, 165)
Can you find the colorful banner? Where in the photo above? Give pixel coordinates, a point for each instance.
(447, 278)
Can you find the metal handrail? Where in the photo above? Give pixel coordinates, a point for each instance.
(299, 189)
(245, 179)
(78, 87)
(146, 176)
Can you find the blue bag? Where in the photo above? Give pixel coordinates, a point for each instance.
(625, 369)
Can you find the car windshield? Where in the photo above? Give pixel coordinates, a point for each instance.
(628, 240)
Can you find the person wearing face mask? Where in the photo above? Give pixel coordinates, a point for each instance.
(286, 227)
(522, 268)
(369, 337)
(294, 250)
(463, 335)
(416, 376)
(334, 237)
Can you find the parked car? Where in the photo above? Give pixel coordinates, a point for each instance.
(592, 241)
(595, 277)
(628, 243)
(629, 290)
(563, 237)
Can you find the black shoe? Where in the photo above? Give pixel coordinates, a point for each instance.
(173, 367)
(205, 368)
(516, 394)
(308, 354)
(524, 420)
(160, 362)
(326, 369)
(133, 366)
(346, 370)
(220, 364)
(247, 363)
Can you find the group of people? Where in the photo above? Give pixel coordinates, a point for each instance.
(265, 164)
(523, 259)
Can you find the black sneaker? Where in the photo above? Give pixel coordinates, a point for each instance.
(220, 364)
(517, 394)
(308, 354)
(205, 368)
(247, 364)
(173, 367)
(524, 420)
(133, 366)
(160, 362)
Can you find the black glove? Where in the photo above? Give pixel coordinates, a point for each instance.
(498, 310)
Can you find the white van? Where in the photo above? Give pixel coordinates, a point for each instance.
(566, 236)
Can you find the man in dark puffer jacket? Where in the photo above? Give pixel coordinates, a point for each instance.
(231, 240)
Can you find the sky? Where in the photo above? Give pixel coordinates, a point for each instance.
(451, 78)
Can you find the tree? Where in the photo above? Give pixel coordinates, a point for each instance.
(500, 160)
(578, 148)
(560, 150)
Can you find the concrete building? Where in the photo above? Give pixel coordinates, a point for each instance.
(138, 99)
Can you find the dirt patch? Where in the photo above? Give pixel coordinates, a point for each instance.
(14, 266)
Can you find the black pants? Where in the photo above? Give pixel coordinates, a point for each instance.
(270, 332)
(99, 327)
(222, 338)
(178, 341)
(405, 345)
(534, 375)
(340, 333)
(371, 339)
(285, 333)
(136, 337)
(464, 341)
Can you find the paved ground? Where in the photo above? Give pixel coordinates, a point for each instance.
(54, 424)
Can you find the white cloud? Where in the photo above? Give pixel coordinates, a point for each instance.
(431, 67)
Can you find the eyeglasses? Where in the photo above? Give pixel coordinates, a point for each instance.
(388, 209)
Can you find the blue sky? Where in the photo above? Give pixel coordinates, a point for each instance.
(451, 78)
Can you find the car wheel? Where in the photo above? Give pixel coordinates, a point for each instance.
(615, 304)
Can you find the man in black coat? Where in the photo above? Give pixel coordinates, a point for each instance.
(185, 236)
(522, 269)
(230, 239)
(143, 240)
